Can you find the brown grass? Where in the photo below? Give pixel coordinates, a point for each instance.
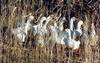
(12, 51)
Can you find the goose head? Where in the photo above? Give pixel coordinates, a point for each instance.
(29, 18)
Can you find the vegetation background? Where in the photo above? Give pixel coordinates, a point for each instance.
(11, 51)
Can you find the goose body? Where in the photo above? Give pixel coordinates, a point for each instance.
(74, 44)
(19, 33)
(70, 42)
(54, 34)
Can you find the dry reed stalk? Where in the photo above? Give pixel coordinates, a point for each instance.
(15, 53)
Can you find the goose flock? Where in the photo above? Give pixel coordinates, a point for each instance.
(55, 30)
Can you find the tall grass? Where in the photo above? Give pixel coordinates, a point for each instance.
(12, 51)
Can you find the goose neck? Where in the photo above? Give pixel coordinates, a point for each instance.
(69, 34)
(79, 26)
(27, 27)
(71, 24)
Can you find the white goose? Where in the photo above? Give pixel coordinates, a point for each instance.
(57, 31)
(69, 42)
(44, 27)
(71, 23)
(41, 30)
(68, 39)
(21, 31)
(64, 37)
(78, 31)
(36, 28)
(54, 33)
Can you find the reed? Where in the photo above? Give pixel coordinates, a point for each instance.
(13, 51)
